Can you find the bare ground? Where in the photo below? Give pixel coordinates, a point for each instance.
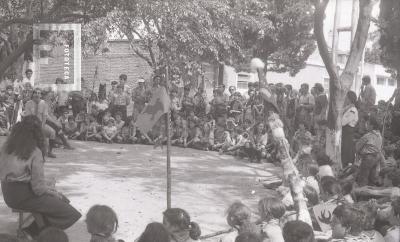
(132, 180)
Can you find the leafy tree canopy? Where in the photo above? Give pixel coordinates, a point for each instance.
(229, 31)
(389, 22)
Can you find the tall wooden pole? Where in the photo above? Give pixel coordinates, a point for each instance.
(168, 124)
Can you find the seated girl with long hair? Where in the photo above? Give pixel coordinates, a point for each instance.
(23, 181)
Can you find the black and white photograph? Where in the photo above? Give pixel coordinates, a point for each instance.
(200, 120)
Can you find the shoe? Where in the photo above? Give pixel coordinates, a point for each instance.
(51, 155)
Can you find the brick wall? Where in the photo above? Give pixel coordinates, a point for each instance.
(119, 60)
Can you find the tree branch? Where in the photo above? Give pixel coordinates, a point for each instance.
(26, 21)
(16, 54)
(141, 55)
(357, 47)
(319, 15)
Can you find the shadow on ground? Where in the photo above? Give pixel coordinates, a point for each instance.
(132, 180)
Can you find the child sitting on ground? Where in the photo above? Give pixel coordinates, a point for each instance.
(119, 123)
(80, 118)
(102, 223)
(107, 116)
(180, 228)
(128, 132)
(301, 136)
(84, 128)
(180, 134)
(109, 131)
(209, 129)
(93, 133)
(63, 119)
(71, 128)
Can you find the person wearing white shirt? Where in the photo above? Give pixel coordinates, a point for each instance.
(28, 77)
(349, 121)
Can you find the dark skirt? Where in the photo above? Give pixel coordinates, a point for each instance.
(348, 146)
(55, 212)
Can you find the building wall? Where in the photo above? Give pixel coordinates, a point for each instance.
(119, 60)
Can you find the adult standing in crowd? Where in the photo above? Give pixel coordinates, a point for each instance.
(123, 81)
(366, 101)
(349, 122)
(320, 112)
(200, 102)
(120, 101)
(113, 90)
(395, 125)
(22, 179)
(291, 103)
(224, 95)
(305, 107)
(232, 90)
(139, 97)
(28, 77)
(39, 108)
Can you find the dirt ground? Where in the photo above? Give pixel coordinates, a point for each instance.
(132, 180)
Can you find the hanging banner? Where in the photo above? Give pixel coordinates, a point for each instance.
(57, 56)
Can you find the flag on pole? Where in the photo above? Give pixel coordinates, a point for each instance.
(158, 105)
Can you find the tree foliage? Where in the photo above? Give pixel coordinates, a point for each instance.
(18, 16)
(389, 22)
(229, 31)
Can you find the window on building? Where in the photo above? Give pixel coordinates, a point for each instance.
(391, 82)
(381, 81)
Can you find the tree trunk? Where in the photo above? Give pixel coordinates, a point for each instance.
(334, 130)
(339, 85)
(221, 73)
(13, 58)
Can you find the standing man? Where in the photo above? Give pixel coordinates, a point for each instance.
(28, 77)
(139, 97)
(305, 108)
(366, 101)
(200, 102)
(122, 81)
(39, 107)
(224, 95)
(232, 90)
(120, 101)
(320, 112)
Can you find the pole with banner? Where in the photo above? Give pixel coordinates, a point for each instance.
(168, 124)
